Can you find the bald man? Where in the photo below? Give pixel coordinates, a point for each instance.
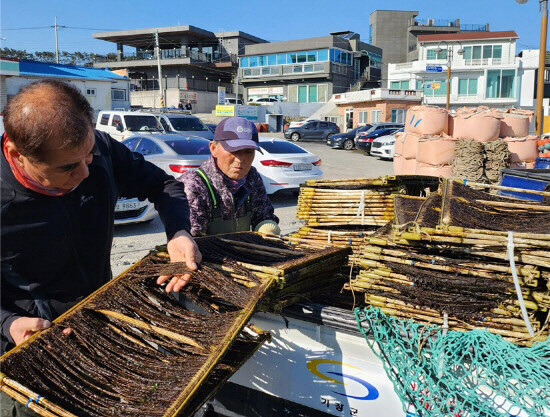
(60, 183)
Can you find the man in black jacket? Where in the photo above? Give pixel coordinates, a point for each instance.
(60, 182)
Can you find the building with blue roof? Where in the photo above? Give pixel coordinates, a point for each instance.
(104, 89)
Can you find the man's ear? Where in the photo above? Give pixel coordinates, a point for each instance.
(213, 146)
(13, 152)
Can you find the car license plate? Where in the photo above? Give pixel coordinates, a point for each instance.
(302, 167)
(126, 206)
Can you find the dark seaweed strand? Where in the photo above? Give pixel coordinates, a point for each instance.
(216, 251)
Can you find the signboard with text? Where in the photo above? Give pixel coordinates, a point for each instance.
(433, 86)
(434, 68)
(188, 95)
(225, 111)
(221, 96)
(248, 112)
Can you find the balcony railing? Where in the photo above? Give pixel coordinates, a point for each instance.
(287, 69)
(174, 53)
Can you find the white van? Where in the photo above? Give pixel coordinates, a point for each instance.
(233, 101)
(123, 124)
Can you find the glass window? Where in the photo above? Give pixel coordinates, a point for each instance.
(308, 68)
(332, 54)
(302, 94)
(363, 115)
(507, 85)
(467, 87)
(487, 51)
(148, 147)
(398, 115)
(253, 61)
(118, 94)
(293, 93)
(476, 52)
(375, 116)
(291, 58)
(272, 60)
(431, 54)
(394, 85)
(336, 55)
(262, 60)
(281, 59)
(266, 71)
(187, 124)
(472, 86)
(467, 52)
(104, 119)
(131, 143)
(404, 85)
(247, 72)
(322, 55)
(116, 120)
(244, 62)
(497, 51)
(135, 123)
(321, 93)
(311, 56)
(302, 57)
(418, 85)
(312, 97)
(189, 146)
(279, 147)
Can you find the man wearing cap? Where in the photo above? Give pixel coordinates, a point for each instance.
(226, 194)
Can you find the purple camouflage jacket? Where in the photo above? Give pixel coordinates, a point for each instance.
(201, 205)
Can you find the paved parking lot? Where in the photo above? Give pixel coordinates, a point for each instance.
(132, 242)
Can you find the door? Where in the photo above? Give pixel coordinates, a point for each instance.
(311, 129)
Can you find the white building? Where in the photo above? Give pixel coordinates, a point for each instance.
(104, 89)
(485, 70)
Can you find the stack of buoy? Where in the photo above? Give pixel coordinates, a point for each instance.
(543, 147)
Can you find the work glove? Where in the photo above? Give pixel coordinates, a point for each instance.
(268, 227)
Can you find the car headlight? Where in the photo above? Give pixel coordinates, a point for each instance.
(391, 143)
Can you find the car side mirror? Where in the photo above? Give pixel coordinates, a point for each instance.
(119, 128)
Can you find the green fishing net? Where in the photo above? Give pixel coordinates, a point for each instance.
(459, 374)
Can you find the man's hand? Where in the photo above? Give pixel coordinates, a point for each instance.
(181, 248)
(24, 327)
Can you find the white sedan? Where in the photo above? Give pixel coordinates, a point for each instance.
(384, 146)
(285, 165)
(174, 153)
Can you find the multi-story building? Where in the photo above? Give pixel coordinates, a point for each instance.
(309, 70)
(397, 32)
(484, 70)
(194, 63)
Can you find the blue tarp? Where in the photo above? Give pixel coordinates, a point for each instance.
(45, 69)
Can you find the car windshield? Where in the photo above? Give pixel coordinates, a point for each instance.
(136, 123)
(189, 147)
(279, 146)
(187, 124)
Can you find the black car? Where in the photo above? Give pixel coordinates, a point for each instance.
(364, 142)
(345, 140)
(211, 126)
(312, 130)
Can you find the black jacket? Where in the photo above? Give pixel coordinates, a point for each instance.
(56, 250)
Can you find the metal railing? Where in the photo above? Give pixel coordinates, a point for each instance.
(174, 53)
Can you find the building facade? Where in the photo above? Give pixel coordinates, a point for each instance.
(194, 63)
(104, 89)
(397, 32)
(309, 70)
(484, 70)
(374, 106)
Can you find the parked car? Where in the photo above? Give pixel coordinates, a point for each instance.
(384, 146)
(301, 122)
(175, 154)
(233, 101)
(285, 165)
(377, 126)
(346, 140)
(123, 124)
(312, 130)
(364, 142)
(211, 126)
(185, 125)
(264, 100)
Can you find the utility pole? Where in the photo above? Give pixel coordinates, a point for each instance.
(157, 53)
(56, 26)
(237, 86)
(539, 119)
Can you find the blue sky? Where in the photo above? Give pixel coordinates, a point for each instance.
(272, 20)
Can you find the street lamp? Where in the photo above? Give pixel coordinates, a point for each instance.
(539, 120)
(450, 49)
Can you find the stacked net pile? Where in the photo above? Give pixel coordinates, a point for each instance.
(468, 161)
(497, 157)
(347, 212)
(467, 374)
(136, 350)
(430, 264)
